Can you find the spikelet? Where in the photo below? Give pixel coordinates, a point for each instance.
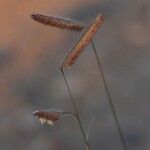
(50, 116)
(58, 22)
(82, 42)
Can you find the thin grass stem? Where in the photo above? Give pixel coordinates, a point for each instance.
(88, 147)
(109, 98)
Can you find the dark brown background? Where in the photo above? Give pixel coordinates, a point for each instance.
(30, 54)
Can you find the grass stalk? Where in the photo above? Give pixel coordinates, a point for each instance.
(88, 147)
(112, 107)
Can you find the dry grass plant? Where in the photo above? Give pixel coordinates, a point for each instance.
(71, 58)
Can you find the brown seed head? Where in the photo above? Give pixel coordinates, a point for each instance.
(83, 42)
(58, 22)
(47, 116)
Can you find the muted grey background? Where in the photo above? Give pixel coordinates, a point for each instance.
(30, 54)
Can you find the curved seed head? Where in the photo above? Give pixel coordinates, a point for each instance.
(83, 41)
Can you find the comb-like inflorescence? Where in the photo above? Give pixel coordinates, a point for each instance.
(83, 42)
(58, 22)
(48, 116)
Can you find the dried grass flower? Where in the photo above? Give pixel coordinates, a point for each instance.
(50, 116)
(59, 22)
(83, 41)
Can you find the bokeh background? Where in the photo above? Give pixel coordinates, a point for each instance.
(30, 54)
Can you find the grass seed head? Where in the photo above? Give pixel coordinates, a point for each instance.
(58, 22)
(83, 41)
(45, 116)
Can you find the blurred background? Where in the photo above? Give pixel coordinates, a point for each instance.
(30, 54)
